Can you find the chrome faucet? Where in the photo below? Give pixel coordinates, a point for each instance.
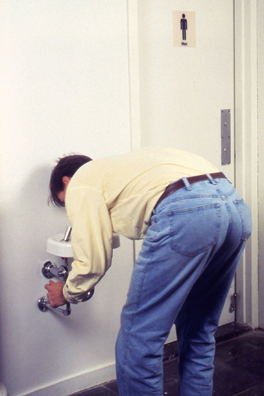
(49, 270)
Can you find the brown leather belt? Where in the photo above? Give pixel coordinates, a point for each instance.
(180, 184)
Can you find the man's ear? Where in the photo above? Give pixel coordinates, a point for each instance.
(66, 180)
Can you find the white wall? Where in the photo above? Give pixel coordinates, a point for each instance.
(64, 88)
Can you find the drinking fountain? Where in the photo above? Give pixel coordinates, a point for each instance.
(60, 245)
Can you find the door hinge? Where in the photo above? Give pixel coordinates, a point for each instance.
(225, 137)
(232, 307)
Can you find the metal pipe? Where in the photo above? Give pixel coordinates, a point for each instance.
(44, 306)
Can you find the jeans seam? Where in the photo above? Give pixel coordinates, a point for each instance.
(132, 323)
(184, 336)
(230, 224)
(236, 204)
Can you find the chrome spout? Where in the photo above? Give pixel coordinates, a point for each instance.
(67, 234)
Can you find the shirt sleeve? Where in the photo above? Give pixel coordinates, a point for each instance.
(91, 241)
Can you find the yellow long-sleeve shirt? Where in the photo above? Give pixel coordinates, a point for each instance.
(117, 194)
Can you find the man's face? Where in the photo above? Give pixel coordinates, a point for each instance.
(61, 195)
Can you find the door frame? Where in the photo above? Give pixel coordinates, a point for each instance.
(246, 151)
(247, 282)
(260, 54)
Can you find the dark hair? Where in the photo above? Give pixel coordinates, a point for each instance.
(66, 166)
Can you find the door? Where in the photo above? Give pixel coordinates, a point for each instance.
(184, 85)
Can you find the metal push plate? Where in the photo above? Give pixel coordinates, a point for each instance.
(225, 137)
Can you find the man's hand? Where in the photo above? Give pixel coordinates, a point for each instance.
(55, 295)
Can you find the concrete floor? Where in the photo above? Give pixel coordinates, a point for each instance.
(239, 365)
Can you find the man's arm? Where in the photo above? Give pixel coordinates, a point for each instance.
(91, 240)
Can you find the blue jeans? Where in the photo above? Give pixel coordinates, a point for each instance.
(183, 274)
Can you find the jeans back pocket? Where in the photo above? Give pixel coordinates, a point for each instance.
(194, 230)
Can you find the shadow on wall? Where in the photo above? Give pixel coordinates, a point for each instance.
(26, 217)
(26, 222)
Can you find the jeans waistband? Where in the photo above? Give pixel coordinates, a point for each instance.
(187, 181)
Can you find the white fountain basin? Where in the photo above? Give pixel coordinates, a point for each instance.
(58, 247)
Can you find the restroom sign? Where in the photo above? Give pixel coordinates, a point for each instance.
(184, 32)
